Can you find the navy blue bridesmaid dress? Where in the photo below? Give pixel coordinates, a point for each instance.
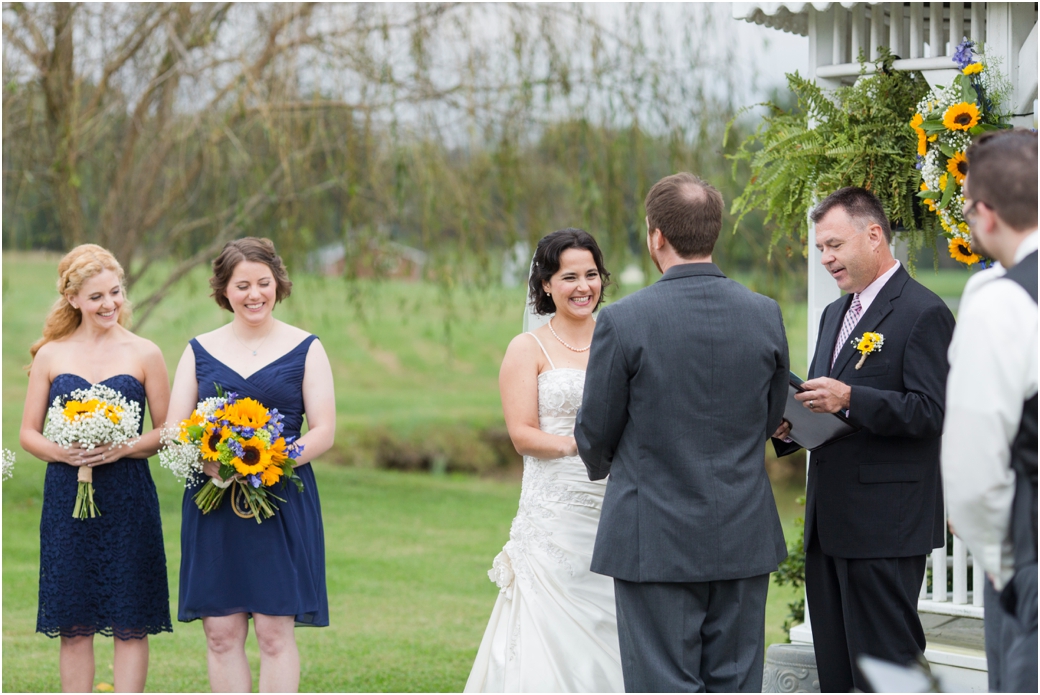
(234, 565)
(107, 574)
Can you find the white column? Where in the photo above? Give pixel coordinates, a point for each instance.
(1008, 24)
(877, 29)
(838, 27)
(956, 26)
(856, 43)
(826, 32)
(935, 30)
(916, 30)
(978, 22)
(895, 28)
(826, 41)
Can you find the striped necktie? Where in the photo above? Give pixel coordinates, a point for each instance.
(851, 319)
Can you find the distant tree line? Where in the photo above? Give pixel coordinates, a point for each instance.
(161, 130)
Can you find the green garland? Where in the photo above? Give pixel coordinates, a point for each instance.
(852, 136)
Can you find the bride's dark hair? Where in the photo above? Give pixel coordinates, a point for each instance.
(547, 262)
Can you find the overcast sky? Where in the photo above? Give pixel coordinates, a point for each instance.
(777, 51)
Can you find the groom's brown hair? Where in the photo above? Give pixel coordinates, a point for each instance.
(688, 211)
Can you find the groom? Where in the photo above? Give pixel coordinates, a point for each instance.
(685, 380)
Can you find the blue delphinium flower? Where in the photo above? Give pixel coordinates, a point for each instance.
(920, 163)
(246, 432)
(236, 447)
(253, 479)
(293, 449)
(963, 55)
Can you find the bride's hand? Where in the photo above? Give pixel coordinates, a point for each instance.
(571, 448)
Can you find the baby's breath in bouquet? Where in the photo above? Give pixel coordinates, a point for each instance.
(946, 122)
(8, 464)
(92, 417)
(245, 438)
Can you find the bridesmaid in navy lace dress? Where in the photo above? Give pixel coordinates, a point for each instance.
(107, 574)
(233, 568)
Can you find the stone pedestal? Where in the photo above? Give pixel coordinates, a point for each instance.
(790, 668)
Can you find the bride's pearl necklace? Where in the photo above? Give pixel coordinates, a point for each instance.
(565, 343)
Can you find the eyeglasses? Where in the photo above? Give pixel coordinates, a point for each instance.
(970, 210)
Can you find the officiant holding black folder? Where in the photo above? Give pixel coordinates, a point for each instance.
(874, 508)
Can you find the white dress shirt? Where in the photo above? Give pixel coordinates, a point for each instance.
(993, 371)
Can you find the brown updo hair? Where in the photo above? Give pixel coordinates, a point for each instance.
(250, 248)
(76, 267)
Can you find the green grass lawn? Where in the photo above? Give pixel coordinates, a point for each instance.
(407, 554)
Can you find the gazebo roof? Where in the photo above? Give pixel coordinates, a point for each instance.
(792, 17)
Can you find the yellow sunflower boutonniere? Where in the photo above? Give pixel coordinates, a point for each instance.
(868, 343)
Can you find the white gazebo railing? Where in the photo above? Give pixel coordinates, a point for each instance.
(962, 600)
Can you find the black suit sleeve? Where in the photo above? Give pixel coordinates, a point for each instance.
(780, 447)
(604, 404)
(778, 385)
(918, 412)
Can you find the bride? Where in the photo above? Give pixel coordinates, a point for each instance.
(553, 627)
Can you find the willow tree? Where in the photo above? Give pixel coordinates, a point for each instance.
(161, 130)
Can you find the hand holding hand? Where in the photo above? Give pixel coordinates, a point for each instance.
(783, 432)
(78, 455)
(571, 447)
(824, 395)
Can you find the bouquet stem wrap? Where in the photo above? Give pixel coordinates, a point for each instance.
(85, 508)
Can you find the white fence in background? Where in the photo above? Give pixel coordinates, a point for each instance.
(962, 600)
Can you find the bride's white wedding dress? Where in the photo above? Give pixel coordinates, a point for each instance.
(553, 627)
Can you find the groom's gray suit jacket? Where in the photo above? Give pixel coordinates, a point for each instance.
(686, 379)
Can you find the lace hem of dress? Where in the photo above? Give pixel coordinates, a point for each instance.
(127, 633)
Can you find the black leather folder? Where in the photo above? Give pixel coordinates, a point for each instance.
(813, 430)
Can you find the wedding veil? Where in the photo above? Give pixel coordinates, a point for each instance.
(532, 319)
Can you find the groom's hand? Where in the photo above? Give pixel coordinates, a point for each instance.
(824, 395)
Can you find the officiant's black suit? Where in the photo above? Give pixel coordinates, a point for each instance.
(686, 380)
(874, 506)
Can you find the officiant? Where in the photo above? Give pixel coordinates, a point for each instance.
(874, 508)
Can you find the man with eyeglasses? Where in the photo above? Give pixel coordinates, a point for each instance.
(989, 447)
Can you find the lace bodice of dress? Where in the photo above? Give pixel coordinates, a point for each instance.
(559, 398)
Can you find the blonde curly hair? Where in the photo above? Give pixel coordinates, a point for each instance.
(76, 267)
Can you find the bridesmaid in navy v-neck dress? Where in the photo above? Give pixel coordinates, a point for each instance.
(277, 567)
(233, 569)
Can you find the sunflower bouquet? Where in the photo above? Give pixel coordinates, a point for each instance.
(946, 122)
(92, 417)
(245, 438)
